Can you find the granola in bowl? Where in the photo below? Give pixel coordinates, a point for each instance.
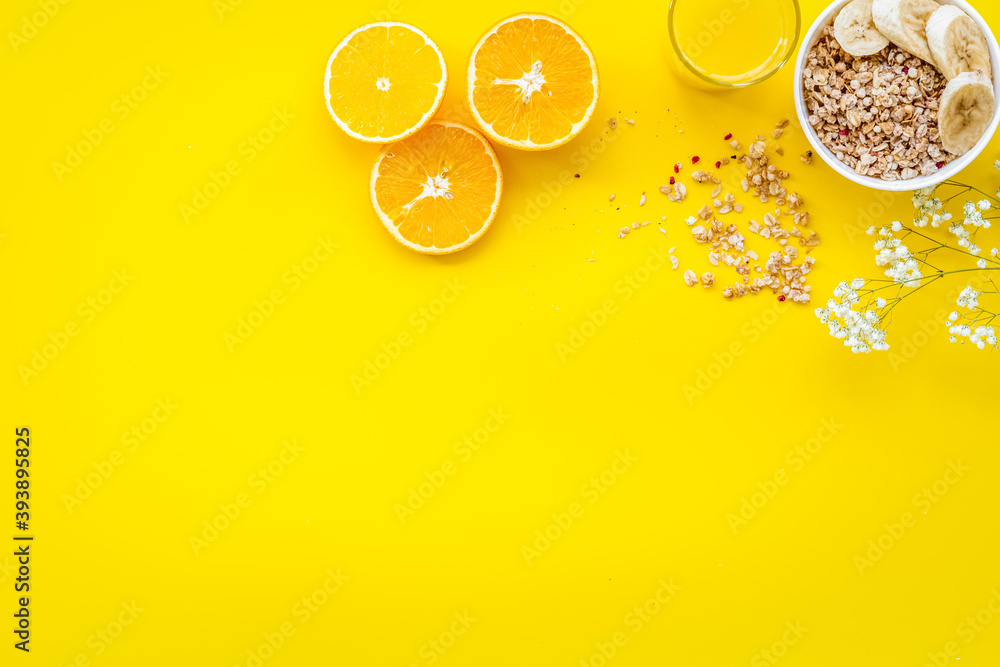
(877, 114)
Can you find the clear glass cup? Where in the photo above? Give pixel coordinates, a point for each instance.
(719, 44)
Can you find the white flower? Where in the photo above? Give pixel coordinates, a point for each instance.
(959, 230)
(969, 298)
(927, 206)
(981, 336)
(858, 329)
(924, 195)
(974, 215)
(860, 325)
(903, 268)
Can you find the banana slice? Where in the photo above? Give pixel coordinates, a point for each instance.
(957, 44)
(965, 111)
(855, 30)
(904, 22)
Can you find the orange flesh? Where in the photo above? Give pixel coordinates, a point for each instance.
(395, 55)
(404, 192)
(564, 98)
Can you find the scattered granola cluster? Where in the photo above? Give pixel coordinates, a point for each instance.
(691, 279)
(613, 122)
(623, 232)
(877, 114)
(675, 191)
(781, 271)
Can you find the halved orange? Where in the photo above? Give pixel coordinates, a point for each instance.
(384, 81)
(532, 82)
(437, 191)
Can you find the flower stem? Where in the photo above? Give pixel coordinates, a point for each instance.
(970, 187)
(949, 247)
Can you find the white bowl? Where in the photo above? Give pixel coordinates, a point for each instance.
(949, 170)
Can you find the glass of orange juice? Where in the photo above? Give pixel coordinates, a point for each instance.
(732, 43)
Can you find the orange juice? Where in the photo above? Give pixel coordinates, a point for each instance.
(733, 42)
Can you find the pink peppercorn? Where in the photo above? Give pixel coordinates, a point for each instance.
(695, 159)
(781, 297)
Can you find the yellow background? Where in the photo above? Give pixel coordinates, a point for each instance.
(899, 420)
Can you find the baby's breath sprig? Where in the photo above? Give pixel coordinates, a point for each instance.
(860, 311)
